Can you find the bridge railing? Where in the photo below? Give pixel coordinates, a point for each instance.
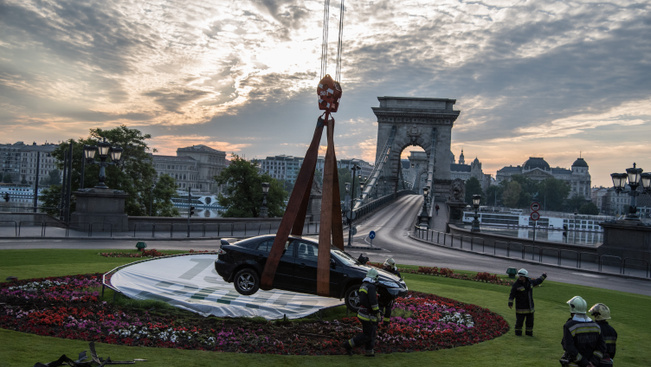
(156, 227)
(172, 229)
(578, 259)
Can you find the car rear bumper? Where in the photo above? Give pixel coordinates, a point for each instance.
(225, 270)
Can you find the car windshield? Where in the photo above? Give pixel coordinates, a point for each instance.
(344, 257)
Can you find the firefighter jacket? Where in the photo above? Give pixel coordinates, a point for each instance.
(609, 335)
(522, 293)
(582, 341)
(369, 309)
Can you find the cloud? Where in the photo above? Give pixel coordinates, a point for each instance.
(549, 73)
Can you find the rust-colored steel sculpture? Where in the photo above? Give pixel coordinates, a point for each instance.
(331, 230)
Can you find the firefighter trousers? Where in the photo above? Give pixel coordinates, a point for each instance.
(524, 319)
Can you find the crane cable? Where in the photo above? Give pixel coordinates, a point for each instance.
(324, 45)
(340, 42)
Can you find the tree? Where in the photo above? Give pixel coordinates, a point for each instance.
(573, 204)
(589, 208)
(494, 194)
(53, 178)
(553, 193)
(511, 194)
(135, 175)
(529, 189)
(473, 186)
(345, 175)
(163, 192)
(243, 187)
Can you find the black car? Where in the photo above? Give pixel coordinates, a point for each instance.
(243, 262)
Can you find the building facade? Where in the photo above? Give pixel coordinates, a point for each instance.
(19, 162)
(537, 169)
(193, 168)
(286, 168)
(415, 171)
(611, 202)
(464, 171)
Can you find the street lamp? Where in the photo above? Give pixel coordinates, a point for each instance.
(264, 211)
(347, 195)
(351, 213)
(423, 218)
(151, 198)
(476, 200)
(635, 177)
(105, 150)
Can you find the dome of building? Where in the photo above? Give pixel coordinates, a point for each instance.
(580, 162)
(535, 162)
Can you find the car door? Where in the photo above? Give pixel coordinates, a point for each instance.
(284, 271)
(305, 266)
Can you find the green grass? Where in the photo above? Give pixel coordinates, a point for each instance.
(628, 311)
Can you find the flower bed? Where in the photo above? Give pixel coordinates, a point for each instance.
(449, 273)
(69, 307)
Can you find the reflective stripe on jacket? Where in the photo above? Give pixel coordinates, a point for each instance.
(368, 308)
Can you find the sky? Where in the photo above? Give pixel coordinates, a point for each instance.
(533, 78)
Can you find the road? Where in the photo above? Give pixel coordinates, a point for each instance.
(392, 225)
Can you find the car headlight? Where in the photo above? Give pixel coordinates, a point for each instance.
(389, 285)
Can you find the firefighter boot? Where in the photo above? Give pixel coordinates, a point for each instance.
(348, 347)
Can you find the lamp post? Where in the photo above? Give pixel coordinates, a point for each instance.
(347, 198)
(635, 178)
(105, 151)
(423, 218)
(38, 168)
(264, 211)
(351, 213)
(476, 200)
(151, 198)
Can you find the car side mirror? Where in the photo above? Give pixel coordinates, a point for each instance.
(333, 263)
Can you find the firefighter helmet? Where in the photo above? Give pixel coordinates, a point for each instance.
(600, 312)
(373, 274)
(523, 273)
(578, 305)
(390, 263)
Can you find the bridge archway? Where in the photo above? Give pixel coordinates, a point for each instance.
(423, 122)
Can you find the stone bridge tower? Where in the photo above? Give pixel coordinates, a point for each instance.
(423, 122)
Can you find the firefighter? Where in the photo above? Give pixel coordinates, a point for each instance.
(386, 301)
(368, 314)
(601, 313)
(522, 293)
(582, 340)
(390, 266)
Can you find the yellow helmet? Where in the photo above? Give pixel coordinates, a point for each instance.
(600, 312)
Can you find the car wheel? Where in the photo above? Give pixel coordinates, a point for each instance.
(352, 297)
(246, 281)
